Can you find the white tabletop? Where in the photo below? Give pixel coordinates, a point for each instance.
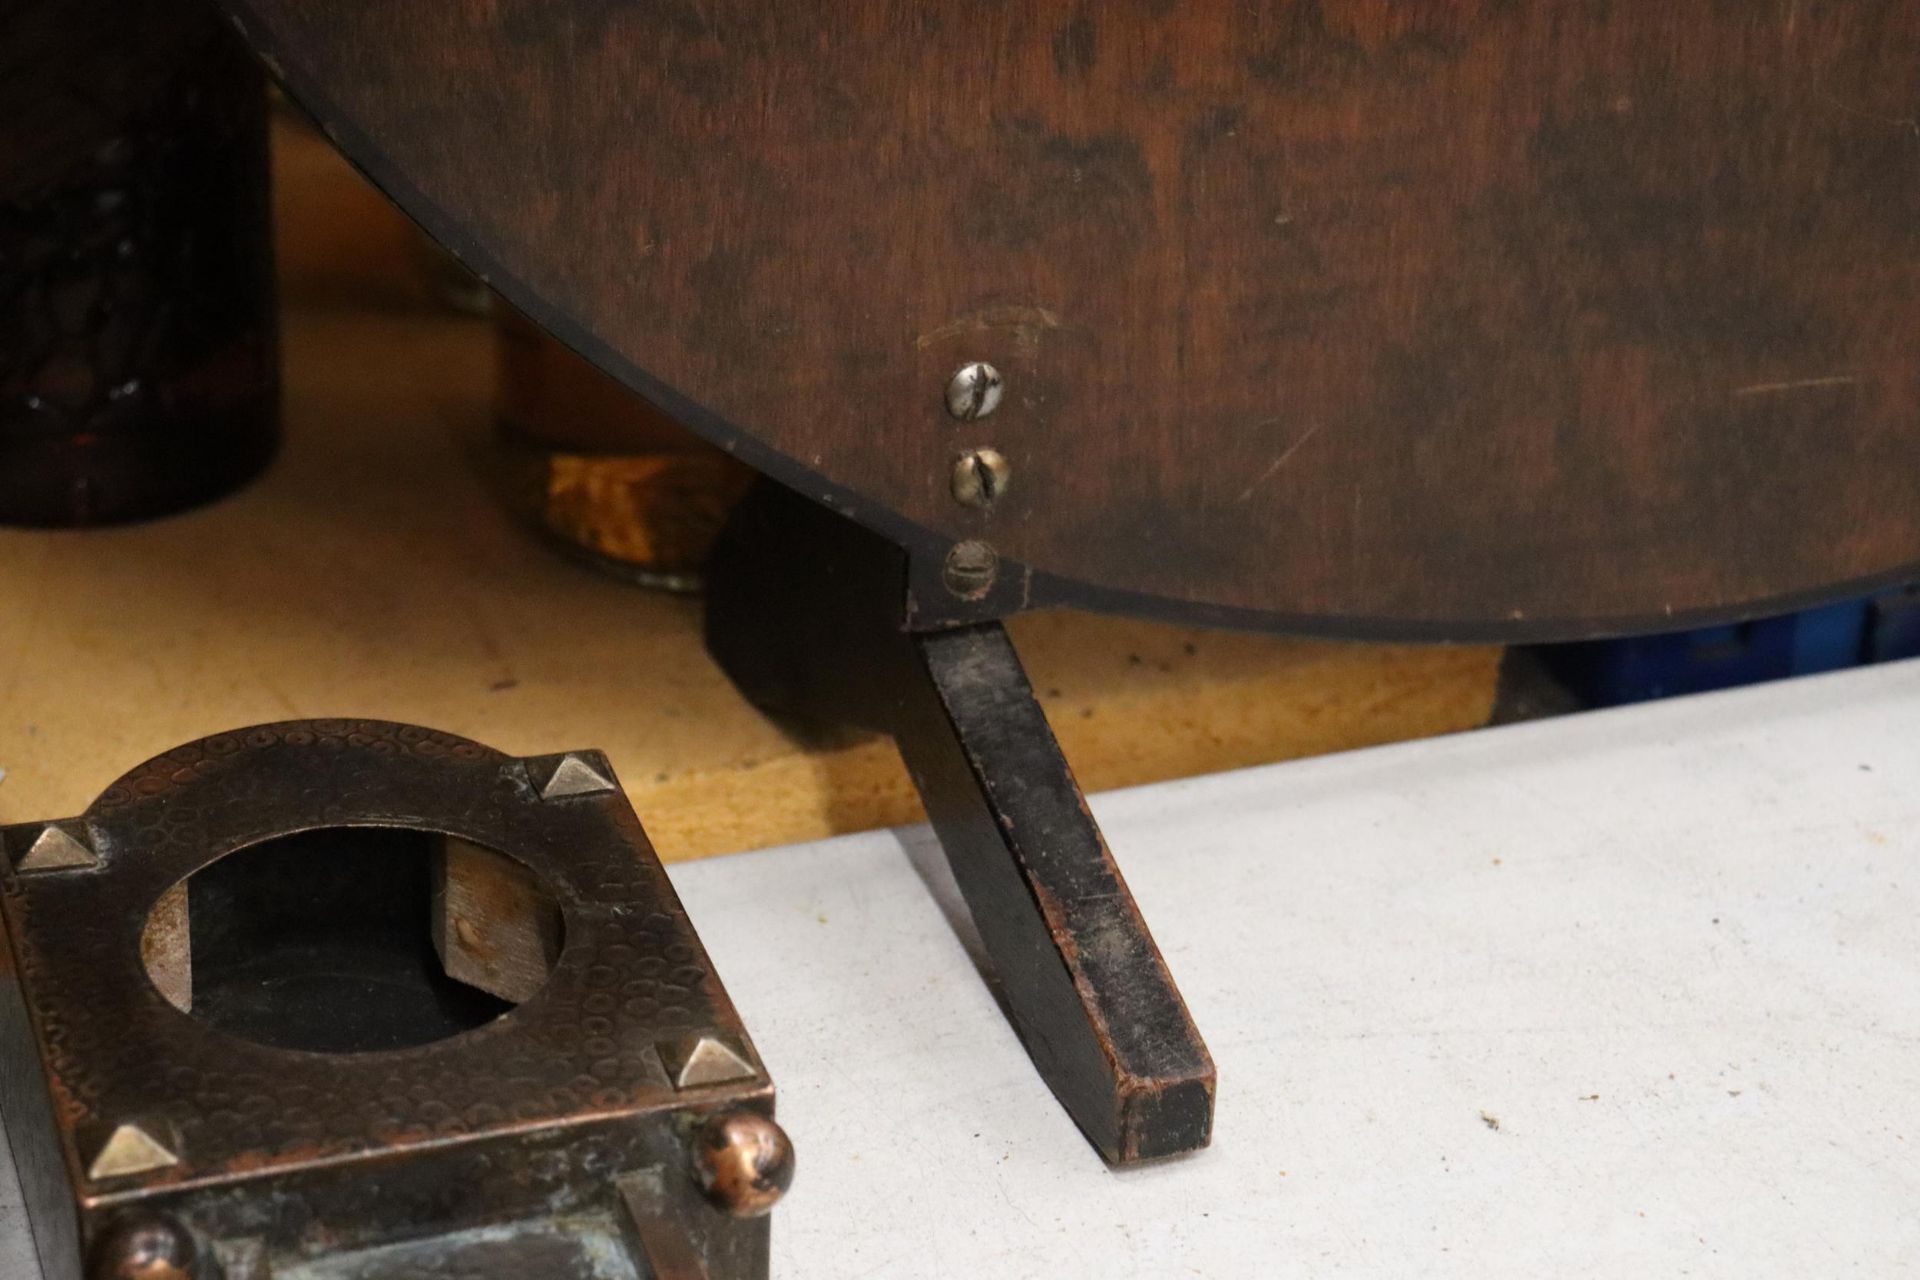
(1634, 993)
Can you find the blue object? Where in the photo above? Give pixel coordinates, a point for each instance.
(1613, 672)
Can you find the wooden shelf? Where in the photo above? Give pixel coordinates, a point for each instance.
(371, 573)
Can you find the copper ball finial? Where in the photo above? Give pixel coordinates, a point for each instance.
(744, 1162)
(143, 1248)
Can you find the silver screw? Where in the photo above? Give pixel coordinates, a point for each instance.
(975, 392)
(970, 569)
(980, 476)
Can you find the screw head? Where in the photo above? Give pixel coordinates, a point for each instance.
(743, 1162)
(980, 476)
(975, 391)
(143, 1248)
(970, 569)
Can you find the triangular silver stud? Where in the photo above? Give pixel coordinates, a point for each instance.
(575, 775)
(55, 850)
(698, 1060)
(130, 1150)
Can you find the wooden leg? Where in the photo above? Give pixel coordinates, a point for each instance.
(805, 612)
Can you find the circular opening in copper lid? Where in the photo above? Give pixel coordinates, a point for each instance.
(353, 939)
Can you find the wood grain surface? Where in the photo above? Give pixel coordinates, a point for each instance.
(1485, 317)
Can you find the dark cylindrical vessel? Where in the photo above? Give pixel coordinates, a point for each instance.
(138, 353)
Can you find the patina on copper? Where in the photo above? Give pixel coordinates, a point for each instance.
(532, 1125)
(744, 1162)
(144, 1248)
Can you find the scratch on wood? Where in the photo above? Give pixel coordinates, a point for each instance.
(1804, 384)
(1027, 324)
(1280, 461)
(1910, 123)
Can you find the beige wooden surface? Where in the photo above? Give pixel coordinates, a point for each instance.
(372, 574)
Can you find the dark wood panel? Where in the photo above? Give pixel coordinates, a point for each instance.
(1481, 317)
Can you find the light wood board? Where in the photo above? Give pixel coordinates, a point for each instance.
(371, 573)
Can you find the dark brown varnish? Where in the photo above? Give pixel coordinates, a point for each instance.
(808, 614)
(1476, 318)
